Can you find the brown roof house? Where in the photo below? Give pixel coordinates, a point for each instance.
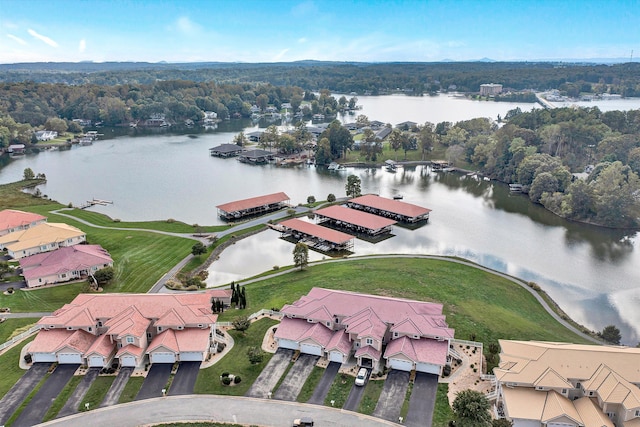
(97, 329)
(402, 334)
(568, 385)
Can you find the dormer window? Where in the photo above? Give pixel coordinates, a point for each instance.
(130, 340)
(180, 328)
(310, 320)
(159, 328)
(416, 337)
(69, 328)
(564, 391)
(369, 341)
(396, 334)
(99, 323)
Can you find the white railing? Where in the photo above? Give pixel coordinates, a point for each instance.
(492, 395)
(454, 353)
(20, 337)
(487, 377)
(469, 343)
(264, 312)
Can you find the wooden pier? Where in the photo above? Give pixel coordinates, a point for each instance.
(94, 202)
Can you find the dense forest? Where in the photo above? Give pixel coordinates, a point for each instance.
(361, 78)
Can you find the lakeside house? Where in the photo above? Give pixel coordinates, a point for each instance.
(43, 237)
(64, 264)
(128, 329)
(13, 220)
(397, 333)
(46, 135)
(569, 385)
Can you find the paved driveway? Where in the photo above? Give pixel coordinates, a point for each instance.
(322, 389)
(21, 389)
(71, 407)
(355, 395)
(185, 379)
(392, 396)
(117, 386)
(423, 400)
(296, 377)
(271, 373)
(38, 406)
(155, 381)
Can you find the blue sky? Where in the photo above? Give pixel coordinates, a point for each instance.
(345, 30)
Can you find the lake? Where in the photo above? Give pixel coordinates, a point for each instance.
(591, 272)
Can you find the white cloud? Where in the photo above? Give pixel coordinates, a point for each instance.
(82, 45)
(42, 38)
(186, 26)
(279, 56)
(302, 40)
(17, 39)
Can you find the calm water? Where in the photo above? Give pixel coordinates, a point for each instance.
(591, 273)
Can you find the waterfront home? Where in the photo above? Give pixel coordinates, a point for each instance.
(12, 220)
(16, 149)
(397, 333)
(64, 264)
(43, 237)
(128, 329)
(46, 135)
(569, 385)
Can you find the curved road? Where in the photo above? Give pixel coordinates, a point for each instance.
(227, 409)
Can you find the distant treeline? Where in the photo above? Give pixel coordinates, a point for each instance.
(361, 78)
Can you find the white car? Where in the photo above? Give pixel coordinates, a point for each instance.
(361, 378)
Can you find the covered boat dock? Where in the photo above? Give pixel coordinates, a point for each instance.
(394, 209)
(316, 236)
(255, 156)
(354, 220)
(254, 206)
(225, 150)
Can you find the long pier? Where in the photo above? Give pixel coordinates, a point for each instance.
(94, 202)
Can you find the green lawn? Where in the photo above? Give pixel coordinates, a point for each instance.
(9, 327)
(339, 390)
(442, 412)
(9, 367)
(97, 392)
(12, 197)
(310, 384)
(47, 299)
(236, 362)
(371, 396)
(475, 302)
(131, 389)
(62, 398)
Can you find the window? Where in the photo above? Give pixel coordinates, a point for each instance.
(369, 341)
(396, 335)
(637, 413)
(130, 340)
(99, 323)
(328, 324)
(90, 329)
(590, 393)
(148, 335)
(564, 391)
(310, 320)
(159, 328)
(336, 320)
(180, 328)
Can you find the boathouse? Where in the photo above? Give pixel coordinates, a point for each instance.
(354, 220)
(316, 236)
(394, 209)
(255, 136)
(254, 206)
(225, 150)
(255, 156)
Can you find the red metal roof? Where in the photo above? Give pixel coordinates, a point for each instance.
(253, 202)
(319, 231)
(394, 206)
(352, 216)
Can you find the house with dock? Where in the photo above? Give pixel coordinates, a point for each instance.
(377, 331)
(260, 205)
(568, 385)
(99, 329)
(43, 237)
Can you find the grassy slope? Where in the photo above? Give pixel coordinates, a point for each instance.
(475, 302)
(8, 327)
(9, 367)
(11, 196)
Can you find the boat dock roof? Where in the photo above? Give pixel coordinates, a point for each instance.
(358, 218)
(377, 205)
(318, 231)
(254, 202)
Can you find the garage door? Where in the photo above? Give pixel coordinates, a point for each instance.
(162, 357)
(44, 357)
(429, 368)
(128, 361)
(400, 364)
(96, 361)
(293, 345)
(336, 356)
(191, 356)
(311, 349)
(69, 358)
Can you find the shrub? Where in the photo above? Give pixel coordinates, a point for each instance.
(237, 380)
(116, 220)
(226, 380)
(276, 267)
(171, 221)
(10, 290)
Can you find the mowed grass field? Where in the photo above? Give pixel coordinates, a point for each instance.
(476, 303)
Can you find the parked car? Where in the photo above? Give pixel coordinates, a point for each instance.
(361, 378)
(303, 422)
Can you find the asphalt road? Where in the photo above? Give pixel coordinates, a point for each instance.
(185, 379)
(71, 407)
(117, 386)
(423, 400)
(39, 404)
(271, 374)
(156, 380)
(21, 389)
(224, 409)
(322, 389)
(296, 377)
(392, 396)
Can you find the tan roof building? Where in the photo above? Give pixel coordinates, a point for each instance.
(43, 237)
(561, 384)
